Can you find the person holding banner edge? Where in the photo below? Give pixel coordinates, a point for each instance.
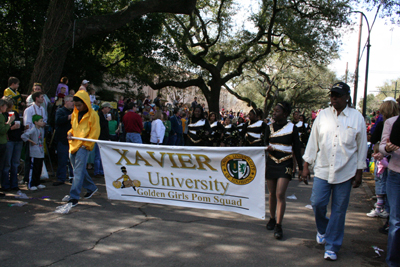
(282, 139)
(85, 124)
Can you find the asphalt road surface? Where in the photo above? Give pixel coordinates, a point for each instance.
(100, 232)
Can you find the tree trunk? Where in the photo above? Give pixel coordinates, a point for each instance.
(58, 32)
(54, 46)
(213, 97)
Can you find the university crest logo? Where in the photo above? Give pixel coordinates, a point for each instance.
(238, 169)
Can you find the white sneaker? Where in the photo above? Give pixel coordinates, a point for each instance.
(320, 239)
(33, 188)
(66, 198)
(41, 186)
(377, 213)
(330, 255)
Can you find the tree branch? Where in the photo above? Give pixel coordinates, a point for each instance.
(245, 99)
(107, 23)
(199, 82)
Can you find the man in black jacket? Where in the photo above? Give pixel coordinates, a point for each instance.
(104, 117)
(63, 125)
(176, 129)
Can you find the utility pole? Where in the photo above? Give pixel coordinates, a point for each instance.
(395, 90)
(347, 71)
(357, 64)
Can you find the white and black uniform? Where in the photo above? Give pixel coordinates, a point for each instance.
(196, 132)
(285, 140)
(303, 133)
(254, 132)
(229, 138)
(216, 129)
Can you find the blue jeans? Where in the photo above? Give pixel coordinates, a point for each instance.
(380, 183)
(98, 167)
(166, 140)
(175, 140)
(393, 195)
(63, 162)
(332, 227)
(134, 138)
(81, 178)
(11, 164)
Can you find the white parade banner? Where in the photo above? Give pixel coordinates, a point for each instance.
(216, 178)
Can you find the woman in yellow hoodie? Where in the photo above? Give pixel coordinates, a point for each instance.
(85, 124)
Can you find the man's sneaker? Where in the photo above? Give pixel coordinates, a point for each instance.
(278, 233)
(320, 239)
(90, 194)
(73, 201)
(66, 198)
(33, 188)
(330, 255)
(41, 186)
(271, 224)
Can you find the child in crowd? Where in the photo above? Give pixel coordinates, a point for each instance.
(60, 96)
(92, 96)
(380, 185)
(95, 105)
(35, 137)
(121, 103)
(72, 92)
(12, 91)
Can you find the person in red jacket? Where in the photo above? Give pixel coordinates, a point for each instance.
(133, 125)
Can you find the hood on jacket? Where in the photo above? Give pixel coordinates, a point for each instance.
(85, 98)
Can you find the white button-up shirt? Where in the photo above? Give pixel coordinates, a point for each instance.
(33, 110)
(337, 146)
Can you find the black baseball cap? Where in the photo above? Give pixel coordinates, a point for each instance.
(341, 88)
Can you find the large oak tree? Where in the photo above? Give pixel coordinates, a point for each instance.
(62, 30)
(211, 50)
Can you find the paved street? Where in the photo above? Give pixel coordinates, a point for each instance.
(100, 232)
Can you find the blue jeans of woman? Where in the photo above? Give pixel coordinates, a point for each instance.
(11, 164)
(333, 227)
(393, 196)
(81, 176)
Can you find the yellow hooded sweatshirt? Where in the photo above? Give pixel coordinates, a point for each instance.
(88, 127)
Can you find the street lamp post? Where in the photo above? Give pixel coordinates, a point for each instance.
(364, 109)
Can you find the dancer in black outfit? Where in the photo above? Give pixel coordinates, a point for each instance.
(254, 129)
(240, 127)
(216, 130)
(229, 133)
(198, 128)
(282, 138)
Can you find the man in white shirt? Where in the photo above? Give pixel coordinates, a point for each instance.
(84, 85)
(337, 148)
(37, 87)
(35, 109)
